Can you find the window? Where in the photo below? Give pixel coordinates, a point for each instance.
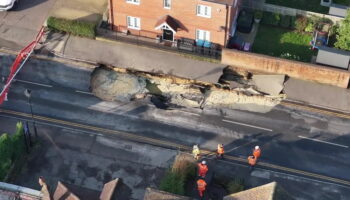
(167, 4)
(204, 11)
(202, 35)
(133, 1)
(134, 22)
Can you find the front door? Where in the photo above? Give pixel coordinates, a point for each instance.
(168, 35)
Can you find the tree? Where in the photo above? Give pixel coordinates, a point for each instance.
(343, 37)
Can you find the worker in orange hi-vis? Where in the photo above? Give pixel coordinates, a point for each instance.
(257, 152)
(201, 184)
(202, 168)
(220, 152)
(252, 162)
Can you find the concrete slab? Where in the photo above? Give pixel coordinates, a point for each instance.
(269, 84)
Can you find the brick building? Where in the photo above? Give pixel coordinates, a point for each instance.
(209, 21)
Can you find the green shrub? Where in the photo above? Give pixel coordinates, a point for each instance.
(11, 148)
(235, 186)
(285, 21)
(173, 182)
(301, 23)
(18, 141)
(310, 27)
(175, 179)
(271, 18)
(75, 27)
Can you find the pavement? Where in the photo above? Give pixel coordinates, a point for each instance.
(20, 26)
(322, 95)
(290, 138)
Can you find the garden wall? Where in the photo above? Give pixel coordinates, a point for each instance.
(288, 11)
(294, 69)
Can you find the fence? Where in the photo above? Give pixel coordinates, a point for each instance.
(156, 43)
(258, 5)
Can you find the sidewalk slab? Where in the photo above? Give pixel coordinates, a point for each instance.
(142, 59)
(318, 94)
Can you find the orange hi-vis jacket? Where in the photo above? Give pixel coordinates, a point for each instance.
(252, 160)
(257, 153)
(202, 169)
(201, 184)
(221, 150)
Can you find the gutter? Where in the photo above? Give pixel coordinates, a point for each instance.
(226, 27)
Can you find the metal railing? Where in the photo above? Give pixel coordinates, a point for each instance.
(159, 43)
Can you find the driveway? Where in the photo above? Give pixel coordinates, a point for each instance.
(20, 26)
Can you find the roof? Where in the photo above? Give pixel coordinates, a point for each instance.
(153, 194)
(169, 21)
(65, 191)
(269, 191)
(108, 190)
(228, 2)
(333, 57)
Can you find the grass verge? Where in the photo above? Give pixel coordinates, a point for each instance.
(74, 27)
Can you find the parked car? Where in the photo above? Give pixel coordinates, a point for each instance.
(245, 21)
(6, 5)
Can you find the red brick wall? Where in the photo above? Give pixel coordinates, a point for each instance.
(150, 11)
(294, 69)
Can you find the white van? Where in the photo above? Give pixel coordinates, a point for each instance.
(7, 4)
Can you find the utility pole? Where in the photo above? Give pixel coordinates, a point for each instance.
(28, 94)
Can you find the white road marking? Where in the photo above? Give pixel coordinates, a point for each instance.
(83, 92)
(188, 112)
(321, 141)
(44, 85)
(248, 125)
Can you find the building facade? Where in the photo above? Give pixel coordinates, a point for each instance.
(202, 20)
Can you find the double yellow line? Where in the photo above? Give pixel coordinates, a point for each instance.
(316, 110)
(158, 142)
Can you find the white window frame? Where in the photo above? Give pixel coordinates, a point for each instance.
(135, 22)
(206, 35)
(165, 2)
(203, 11)
(137, 2)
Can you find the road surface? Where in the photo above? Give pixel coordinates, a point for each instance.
(290, 139)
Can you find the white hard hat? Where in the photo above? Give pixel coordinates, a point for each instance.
(195, 146)
(257, 147)
(203, 162)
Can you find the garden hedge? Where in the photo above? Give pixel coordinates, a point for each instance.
(75, 27)
(270, 18)
(285, 21)
(11, 148)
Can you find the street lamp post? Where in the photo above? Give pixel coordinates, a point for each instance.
(27, 93)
